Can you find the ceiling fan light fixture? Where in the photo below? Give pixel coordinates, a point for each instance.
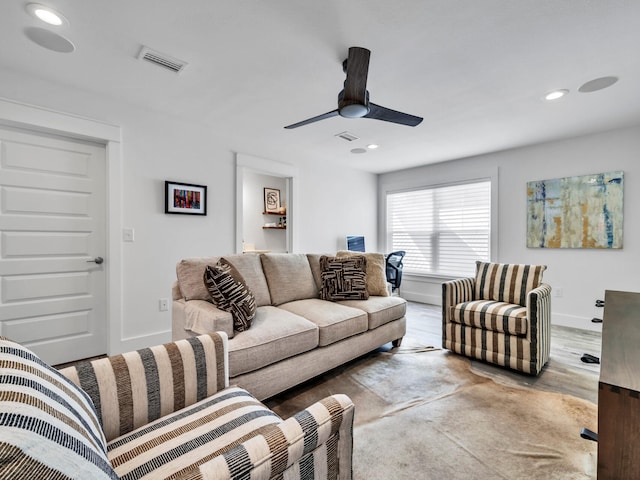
(354, 110)
(47, 15)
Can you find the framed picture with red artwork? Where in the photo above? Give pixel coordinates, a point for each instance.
(185, 199)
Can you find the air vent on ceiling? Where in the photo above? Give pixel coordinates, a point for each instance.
(349, 137)
(162, 60)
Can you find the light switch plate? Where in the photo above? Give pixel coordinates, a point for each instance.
(128, 234)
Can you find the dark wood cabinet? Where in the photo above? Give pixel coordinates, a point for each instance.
(619, 388)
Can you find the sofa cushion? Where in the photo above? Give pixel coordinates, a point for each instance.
(376, 272)
(491, 315)
(250, 268)
(230, 293)
(48, 426)
(175, 445)
(336, 322)
(189, 272)
(343, 278)
(275, 335)
(504, 282)
(289, 277)
(381, 310)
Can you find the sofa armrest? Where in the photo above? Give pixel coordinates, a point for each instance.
(201, 317)
(455, 292)
(176, 293)
(319, 435)
(135, 388)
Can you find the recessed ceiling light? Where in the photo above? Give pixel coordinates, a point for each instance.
(556, 94)
(372, 146)
(47, 14)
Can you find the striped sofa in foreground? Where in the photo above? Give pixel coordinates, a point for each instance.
(160, 412)
(501, 316)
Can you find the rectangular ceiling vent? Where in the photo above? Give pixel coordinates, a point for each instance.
(162, 60)
(349, 137)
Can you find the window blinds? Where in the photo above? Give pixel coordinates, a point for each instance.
(443, 229)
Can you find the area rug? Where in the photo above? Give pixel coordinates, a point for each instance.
(426, 415)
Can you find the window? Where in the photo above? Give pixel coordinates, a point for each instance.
(443, 229)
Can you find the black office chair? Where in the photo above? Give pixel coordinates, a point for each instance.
(394, 269)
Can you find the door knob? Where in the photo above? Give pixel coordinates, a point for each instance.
(97, 260)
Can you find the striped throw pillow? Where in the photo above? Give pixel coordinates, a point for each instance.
(343, 278)
(230, 293)
(504, 282)
(48, 426)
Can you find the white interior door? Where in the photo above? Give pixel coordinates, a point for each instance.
(52, 230)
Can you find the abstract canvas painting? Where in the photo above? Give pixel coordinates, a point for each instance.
(576, 212)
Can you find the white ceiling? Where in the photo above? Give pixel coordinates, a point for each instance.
(474, 69)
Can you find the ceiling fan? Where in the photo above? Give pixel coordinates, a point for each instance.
(353, 100)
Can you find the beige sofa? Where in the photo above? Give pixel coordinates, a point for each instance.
(295, 335)
(161, 412)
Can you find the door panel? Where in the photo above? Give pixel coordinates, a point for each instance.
(52, 225)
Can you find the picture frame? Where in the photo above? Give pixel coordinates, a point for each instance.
(271, 200)
(185, 198)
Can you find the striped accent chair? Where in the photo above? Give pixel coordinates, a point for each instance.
(160, 412)
(500, 316)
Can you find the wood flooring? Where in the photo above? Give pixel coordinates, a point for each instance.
(564, 373)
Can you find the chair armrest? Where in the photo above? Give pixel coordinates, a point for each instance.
(321, 433)
(135, 388)
(539, 329)
(539, 309)
(455, 292)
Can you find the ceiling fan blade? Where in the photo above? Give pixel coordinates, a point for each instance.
(386, 114)
(355, 85)
(330, 114)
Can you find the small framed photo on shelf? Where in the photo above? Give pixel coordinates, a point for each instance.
(271, 200)
(185, 199)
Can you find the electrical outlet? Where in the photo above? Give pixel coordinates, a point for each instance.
(163, 304)
(557, 292)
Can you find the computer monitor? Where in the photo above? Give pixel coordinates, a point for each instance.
(355, 243)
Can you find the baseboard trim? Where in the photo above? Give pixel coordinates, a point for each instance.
(574, 321)
(420, 297)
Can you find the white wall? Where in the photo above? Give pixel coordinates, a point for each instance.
(333, 204)
(157, 147)
(583, 275)
(253, 205)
